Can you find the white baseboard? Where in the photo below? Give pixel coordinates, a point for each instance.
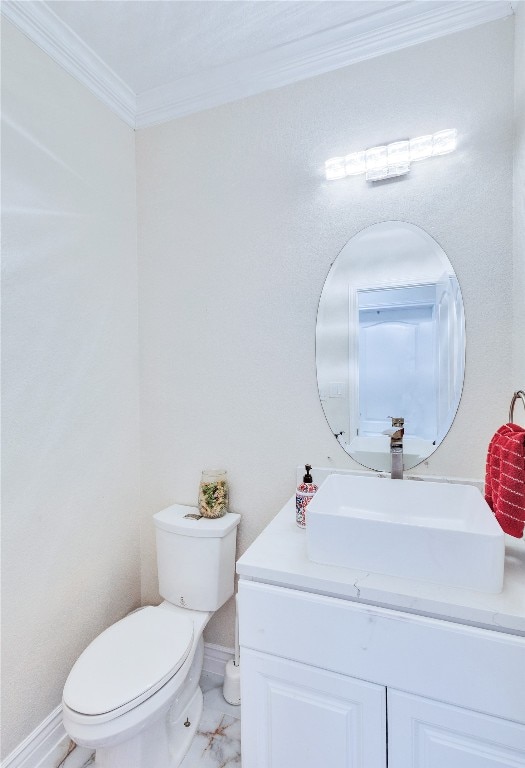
(46, 738)
(47, 745)
(215, 658)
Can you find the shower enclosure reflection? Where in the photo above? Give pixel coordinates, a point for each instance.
(390, 342)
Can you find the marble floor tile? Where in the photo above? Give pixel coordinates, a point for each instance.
(68, 755)
(211, 686)
(209, 680)
(217, 743)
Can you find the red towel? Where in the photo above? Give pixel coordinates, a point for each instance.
(505, 478)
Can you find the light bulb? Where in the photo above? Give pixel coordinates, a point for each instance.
(398, 153)
(376, 158)
(355, 163)
(420, 148)
(444, 142)
(335, 168)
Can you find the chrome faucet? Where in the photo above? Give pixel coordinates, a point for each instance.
(396, 447)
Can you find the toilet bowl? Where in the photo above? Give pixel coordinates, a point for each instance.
(133, 695)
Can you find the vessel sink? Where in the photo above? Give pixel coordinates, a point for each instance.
(437, 532)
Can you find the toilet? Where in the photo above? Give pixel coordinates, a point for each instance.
(133, 695)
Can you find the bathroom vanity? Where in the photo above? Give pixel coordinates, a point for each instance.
(343, 668)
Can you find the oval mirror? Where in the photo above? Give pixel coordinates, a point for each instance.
(390, 342)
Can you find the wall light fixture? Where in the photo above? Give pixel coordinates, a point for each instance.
(393, 159)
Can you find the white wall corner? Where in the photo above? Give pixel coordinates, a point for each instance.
(41, 25)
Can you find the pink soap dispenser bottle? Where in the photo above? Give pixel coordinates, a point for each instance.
(303, 496)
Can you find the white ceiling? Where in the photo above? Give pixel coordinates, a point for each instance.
(152, 43)
(154, 60)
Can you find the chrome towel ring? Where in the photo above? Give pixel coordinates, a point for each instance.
(519, 394)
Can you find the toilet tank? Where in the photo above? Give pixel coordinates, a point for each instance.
(195, 558)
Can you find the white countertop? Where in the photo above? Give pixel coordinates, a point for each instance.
(278, 556)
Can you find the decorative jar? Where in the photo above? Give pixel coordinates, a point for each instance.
(213, 493)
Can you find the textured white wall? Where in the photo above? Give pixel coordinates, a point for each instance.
(70, 403)
(237, 231)
(519, 208)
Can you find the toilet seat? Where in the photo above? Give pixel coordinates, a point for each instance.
(129, 662)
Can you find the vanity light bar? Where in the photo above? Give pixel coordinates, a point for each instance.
(391, 159)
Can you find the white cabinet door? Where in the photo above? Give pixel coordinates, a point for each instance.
(427, 734)
(297, 716)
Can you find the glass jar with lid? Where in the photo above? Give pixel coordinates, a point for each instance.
(213, 493)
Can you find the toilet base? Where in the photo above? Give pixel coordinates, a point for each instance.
(180, 734)
(163, 744)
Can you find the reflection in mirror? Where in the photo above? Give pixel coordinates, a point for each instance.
(390, 341)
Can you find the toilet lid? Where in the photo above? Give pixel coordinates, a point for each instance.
(130, 660)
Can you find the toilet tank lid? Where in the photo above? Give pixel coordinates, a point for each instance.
(129, 661)
(174, 519)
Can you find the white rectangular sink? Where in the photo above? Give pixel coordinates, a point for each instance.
(439, 532)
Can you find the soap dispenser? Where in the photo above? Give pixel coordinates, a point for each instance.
(303, 496)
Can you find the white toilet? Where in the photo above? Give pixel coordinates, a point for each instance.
(133, 695)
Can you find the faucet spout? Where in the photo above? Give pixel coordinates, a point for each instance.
(396, 447)
(395, 433)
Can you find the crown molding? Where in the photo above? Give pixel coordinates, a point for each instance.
(400, 25)
(38, 22)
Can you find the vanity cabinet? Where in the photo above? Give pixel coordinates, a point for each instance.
(429, 734)
(333, 682)
(298, 715)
